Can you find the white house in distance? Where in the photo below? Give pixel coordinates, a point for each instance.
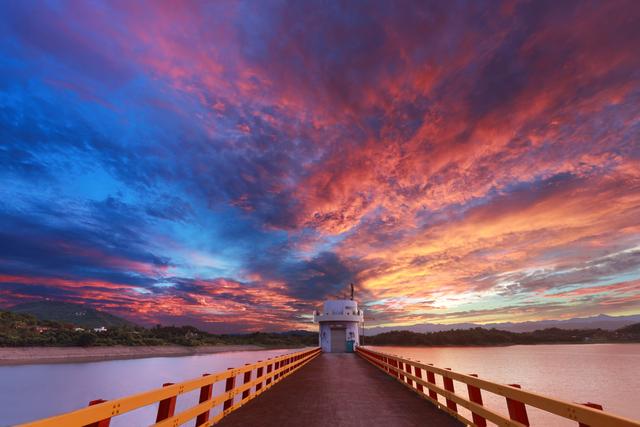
(339, 325)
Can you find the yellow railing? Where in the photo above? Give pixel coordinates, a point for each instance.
(413, 374)
(268, 373)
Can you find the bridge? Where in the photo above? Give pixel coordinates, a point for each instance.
(311, 388)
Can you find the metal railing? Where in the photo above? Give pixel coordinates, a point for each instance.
(421, 378)
(267, 374)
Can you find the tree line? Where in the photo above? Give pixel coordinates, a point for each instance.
(481, 336)
(19, 330)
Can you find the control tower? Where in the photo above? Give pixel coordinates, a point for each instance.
(339, 325)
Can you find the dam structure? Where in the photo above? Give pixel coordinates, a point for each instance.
(339, 322)
(339, 383)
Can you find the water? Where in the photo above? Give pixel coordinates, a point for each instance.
(30, 392)
(602, 373)
(608, 374)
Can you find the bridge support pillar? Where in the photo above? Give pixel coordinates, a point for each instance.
(590, 405)
(167, 407)
(448, 385)
(229, 385)
(258, 375)
(517, 410)
(269, 368)
(431, 377)
(205, 394)
(475, 395)
(101, 423)
(246, 379)
(418, 374)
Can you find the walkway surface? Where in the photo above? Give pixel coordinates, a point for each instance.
(338, 389)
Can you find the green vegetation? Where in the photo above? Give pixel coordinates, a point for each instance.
(19, 330)
(481, 336)
(76, 314)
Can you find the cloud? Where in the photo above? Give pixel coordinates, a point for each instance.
(456, 161)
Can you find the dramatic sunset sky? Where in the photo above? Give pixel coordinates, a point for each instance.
(231, 164)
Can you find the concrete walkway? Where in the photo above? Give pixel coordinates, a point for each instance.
(338, 390)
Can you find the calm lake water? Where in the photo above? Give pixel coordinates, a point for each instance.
(604, 373)
(31, 392)
(608, 374)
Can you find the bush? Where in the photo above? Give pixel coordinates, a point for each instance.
(86, 340)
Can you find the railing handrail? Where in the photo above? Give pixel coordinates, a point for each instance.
(92, 415)
(585, 415)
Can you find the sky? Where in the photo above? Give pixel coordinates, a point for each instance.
(232, 164)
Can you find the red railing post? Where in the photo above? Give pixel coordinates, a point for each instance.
(101, 423)
(258, 375)
(228, 386)
(246, 379)
(431, 377)
(278, 366)
(418, 373)
(448, 385)
(407, 369)
(269, 368)
(517, 410)
(167, 407)
(475, 395)
(590, 405)
(205, 394)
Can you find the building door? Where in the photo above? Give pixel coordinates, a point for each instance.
(338, 340)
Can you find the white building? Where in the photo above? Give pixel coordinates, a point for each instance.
(339, 325)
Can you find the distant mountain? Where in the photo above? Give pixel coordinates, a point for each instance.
(601, 321)
(76, 314)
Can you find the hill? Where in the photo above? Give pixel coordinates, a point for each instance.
(19, 330)
(484, 337)
(601, 321)
(75, 314)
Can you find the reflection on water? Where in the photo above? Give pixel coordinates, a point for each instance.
(31, 392)
(601, 373)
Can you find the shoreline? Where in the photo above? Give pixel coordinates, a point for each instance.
(48, 355)
(502, 345)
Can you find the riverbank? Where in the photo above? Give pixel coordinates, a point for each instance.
(41, 355)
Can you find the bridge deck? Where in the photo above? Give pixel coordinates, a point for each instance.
(338, 390)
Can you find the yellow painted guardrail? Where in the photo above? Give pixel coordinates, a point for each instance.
(268, 373)
(412, 374)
